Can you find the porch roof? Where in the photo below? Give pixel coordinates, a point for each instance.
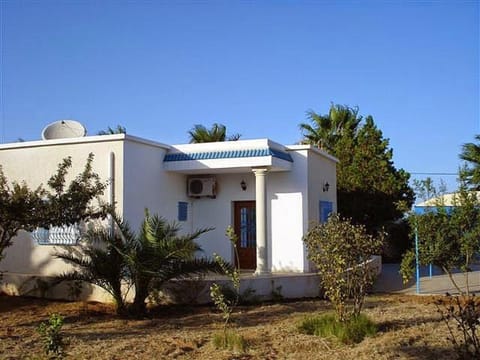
(227, 157)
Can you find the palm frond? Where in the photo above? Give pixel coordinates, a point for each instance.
(185, 269)
(99, 261)
(471, 172)
(218, 132)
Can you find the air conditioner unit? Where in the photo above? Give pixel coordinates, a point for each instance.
(201, 187)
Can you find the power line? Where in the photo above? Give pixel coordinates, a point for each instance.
(434, 173)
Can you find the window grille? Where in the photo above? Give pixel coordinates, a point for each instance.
(57, 235)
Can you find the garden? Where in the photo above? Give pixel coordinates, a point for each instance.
(409, 327)
(351, 324)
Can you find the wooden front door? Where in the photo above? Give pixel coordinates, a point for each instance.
(245, 229)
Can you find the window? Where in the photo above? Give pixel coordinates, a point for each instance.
(326, 208)
(248, 232)
(57, 235)
(182, 211)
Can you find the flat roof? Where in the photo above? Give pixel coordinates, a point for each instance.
(82, 140)
(185, 152)
(231, 156)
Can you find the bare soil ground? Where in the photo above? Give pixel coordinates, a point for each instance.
(410, 328)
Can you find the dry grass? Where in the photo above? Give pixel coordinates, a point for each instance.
(409, 328)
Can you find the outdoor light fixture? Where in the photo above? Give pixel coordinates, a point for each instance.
(243, 185)
(326, 186)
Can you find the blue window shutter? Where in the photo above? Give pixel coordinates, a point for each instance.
(326, 208)
(182, 211)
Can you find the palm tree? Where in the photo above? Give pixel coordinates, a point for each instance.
(218, 132)
(325, 130)
(160, 254)
(100, 261)
(471, 154)
(146, 260)
(110, 131)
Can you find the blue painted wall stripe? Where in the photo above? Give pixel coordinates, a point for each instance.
(231, 154)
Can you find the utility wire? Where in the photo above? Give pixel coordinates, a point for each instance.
(434, 173)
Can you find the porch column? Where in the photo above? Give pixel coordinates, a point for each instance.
(261, 220)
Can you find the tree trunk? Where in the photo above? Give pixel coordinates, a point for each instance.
(452, 280)
(6, 239)
(139, 308)
(118, 298)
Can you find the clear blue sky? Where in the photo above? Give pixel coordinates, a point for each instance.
(159, 67)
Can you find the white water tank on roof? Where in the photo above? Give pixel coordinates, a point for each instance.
(63, 129)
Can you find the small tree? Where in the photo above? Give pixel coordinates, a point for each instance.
(449, 236)
(341, 251)
(226, 305)
(52, 337)
(22, 208)
(159, 254)
(461, 314)
(100, 261)
(18, 206)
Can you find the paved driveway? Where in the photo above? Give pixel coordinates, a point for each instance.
(390, 281)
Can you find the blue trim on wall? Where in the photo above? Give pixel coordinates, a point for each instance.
(280, 154)
(182, 211)
(325, 209)
(231, 154)
(419, 210)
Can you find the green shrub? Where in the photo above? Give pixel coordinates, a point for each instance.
(52, 338)
(229, 340)
(341, 251)
(352, 331)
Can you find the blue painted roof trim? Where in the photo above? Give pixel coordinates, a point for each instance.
(231, 154)
(420, 210)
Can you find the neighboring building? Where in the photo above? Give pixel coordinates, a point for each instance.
(446, 201)
(268, 192)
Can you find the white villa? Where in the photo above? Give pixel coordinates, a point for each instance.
(268, 192)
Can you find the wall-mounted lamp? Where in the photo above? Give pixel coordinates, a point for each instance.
(243, 185)
(326, 186)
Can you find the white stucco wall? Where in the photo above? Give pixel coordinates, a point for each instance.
(287, 194)
(35, 162)
(286, 232)
(218, 212)
(321, 169)
(147, 185)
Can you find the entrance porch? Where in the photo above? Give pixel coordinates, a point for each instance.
(249, 219)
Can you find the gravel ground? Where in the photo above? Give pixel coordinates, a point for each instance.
(410, 328)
